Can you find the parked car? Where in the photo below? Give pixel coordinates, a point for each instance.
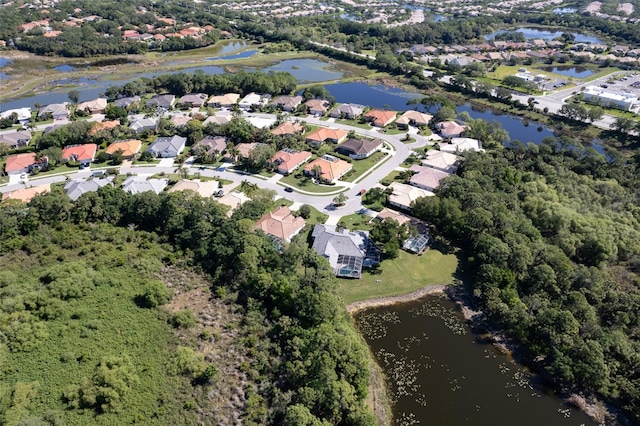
(362, 192)
(288, 189)
(219, 194)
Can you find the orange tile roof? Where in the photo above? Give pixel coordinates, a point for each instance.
(19, 161)
(288, 128)
(26, 194)
(329, 170)
(288, 160)
(323, 133)
(103, 126)
(129, 147)
(379, 117)
(280, 223)
(80, 152)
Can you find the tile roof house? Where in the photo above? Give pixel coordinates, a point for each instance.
(245, 149)
(57, 111)
(287, 103)
(350, 111)
(76, 188)
(330, 168)
(83, 154)
(441, 160)
(143, 124)
(380, 118)
(22, 163)
(346, 251)
(104, 125)
(26, 194)
(125, 102)
(15, 139)
(288, 128)
(139, 184)
(194, 99)
(450, 129)
(402, 218)
(280, 224)
(426, 177)
(162, 101)
(288, 160)
(167, 147)
(180, 120)
(359, 148)
(317, 106)
(461, 144)
(204, 189)
(225, 101)
(214, 145)
(233, 200)
(414, 118)
(216, 119)
(95, 106)
(129, 147)
(403, 195)
(324, 134)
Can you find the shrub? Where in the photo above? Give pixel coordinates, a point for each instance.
(155, 294)
(183, 319)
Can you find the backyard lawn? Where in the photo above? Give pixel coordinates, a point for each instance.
(405, 274)
(362, 166)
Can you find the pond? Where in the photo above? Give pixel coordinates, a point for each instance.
(570, 71)
(5, 62)
(535, 33)
(307, 70)
(230, 46)
(439, 372)
(70, 68)
(241, 55)
(564, 10)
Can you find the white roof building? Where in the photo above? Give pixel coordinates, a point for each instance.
(624, 101)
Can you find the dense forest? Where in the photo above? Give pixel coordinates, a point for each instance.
(85, 274)
(553, 238)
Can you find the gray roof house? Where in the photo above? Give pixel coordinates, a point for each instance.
(15, 139)
(125, 102)
(76, 188)
(194, 99)
(57, 111)
(347, 251)
(349, 111)
(167, 147)
(139, 184)
(143, 124)
(211, 144)
(162, 101)
(359, 148)
(287, 103)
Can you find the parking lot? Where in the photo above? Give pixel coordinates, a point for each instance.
(628, 82)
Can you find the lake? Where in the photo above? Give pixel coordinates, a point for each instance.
(307, 70)
(379, 96)
(535, 33)
(5, 62)
(570, 71)
(241, 55)
(440, 373)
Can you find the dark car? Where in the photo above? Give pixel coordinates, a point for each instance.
(219, 194)
(288, 189)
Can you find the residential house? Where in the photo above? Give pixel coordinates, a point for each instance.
(416, 244)
(22, 115)
(403, 195)
(126, 102)
(83, 154)
(349, 111)
(359, 148)
(167, 147)
(413, 118)
(253, 100)
(324, 134)
(224, 101)
(76, 188)
(139, 184)
(95, 106)
(450, 129)
(165, 102)
(327, 168)
(317, 106)
(26, 194)
(180, 120)
(402, 219)
(380, 118)
(144, 124)
(196, 100)
(129, 148)
(234, 200)
(426, 177)
(213, 145)
(216, 119)
(287, 103)
(260, 122)
(204, 189)
(288, 160)
(347, 251)
(288, 128)
(23, 163)
(461, 144)
(280, 224)
(104, 125)
(15, 138)
(56, 111)
(441, 160)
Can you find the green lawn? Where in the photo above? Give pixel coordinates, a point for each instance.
(355, 123)
(402, 275)
(304, 183)
(356, 221)
(316, 217)
(362, 166)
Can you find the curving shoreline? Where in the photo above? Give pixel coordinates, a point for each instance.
(356, 307)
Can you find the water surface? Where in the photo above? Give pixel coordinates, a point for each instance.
(535, 33)
(307, 70)
(440, 373)
(570, 71)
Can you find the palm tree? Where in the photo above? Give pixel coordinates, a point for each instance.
(316, 171)
(340, 199)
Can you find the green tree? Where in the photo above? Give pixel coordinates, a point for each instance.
(74, 96)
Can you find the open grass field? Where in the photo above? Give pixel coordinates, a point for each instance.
(402, 275)
(362, 166)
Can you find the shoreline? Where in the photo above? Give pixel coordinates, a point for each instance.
(356, 307)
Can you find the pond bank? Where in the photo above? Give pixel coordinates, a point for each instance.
(356, 307)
